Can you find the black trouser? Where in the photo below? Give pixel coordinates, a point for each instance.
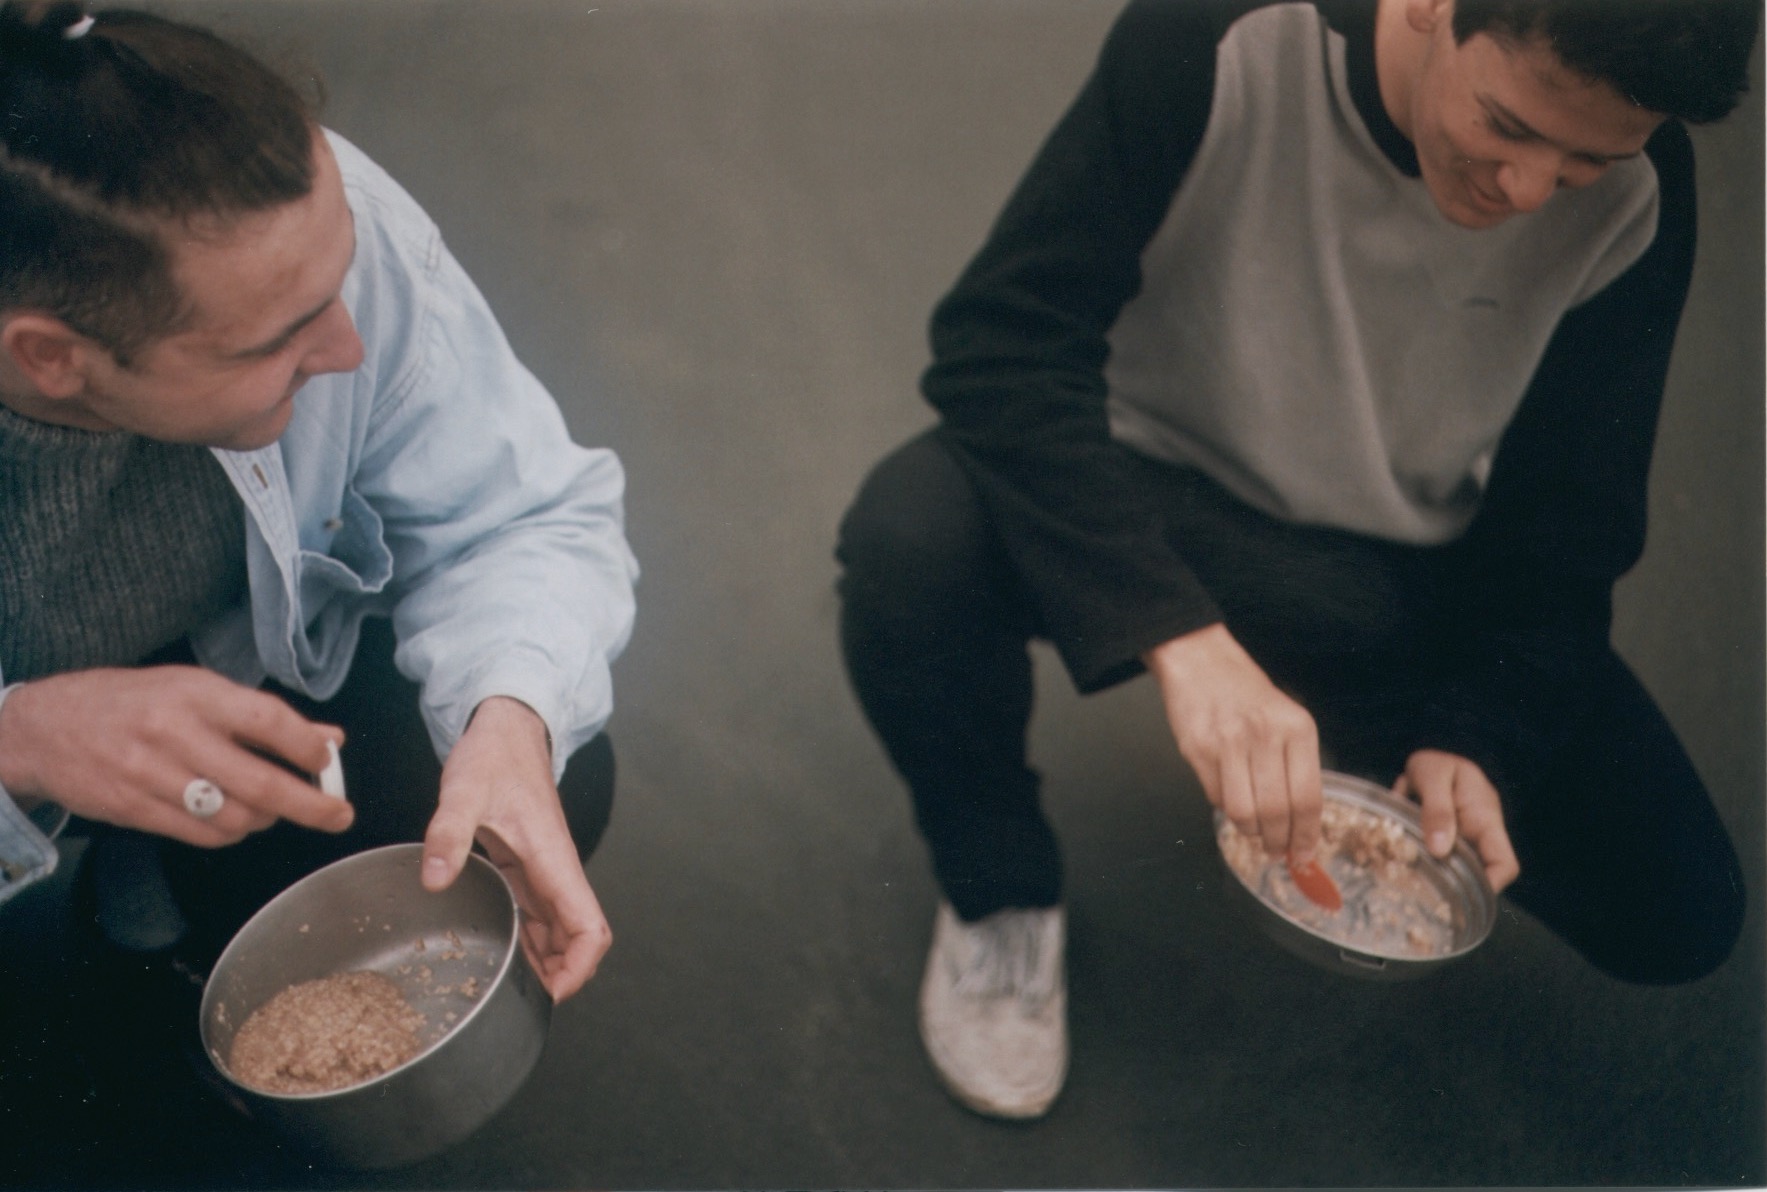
(1621, 850)
(392, 776)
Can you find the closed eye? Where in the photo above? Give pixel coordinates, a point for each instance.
(1507, 131)
(265, 350)
(1506, 126)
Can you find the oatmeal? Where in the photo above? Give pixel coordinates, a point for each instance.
(328, 1034)
(1391, 907)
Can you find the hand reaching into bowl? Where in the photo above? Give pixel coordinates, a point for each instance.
(497, 788)
(1255, 750)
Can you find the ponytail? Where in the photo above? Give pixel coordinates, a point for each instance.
(116, 127)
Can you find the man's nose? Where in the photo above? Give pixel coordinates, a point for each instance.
(337, 348)
(1527, 182)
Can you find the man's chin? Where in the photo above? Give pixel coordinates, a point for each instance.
(260, 434)
(248, 442)
(1463, 208)
(1471, 216)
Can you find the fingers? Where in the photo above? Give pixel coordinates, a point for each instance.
(253, 785)
(265, 723)
(1255, 750)
(564, 933)
(1268, 783)
(1481, 822)
(1269, 769)
(581, 958)
(196, 724)
(1454, 793)
(1433, 787)
(1306, 796)
(262, 721)
(160, 728)
(1238, 797)
(565, 936)
(169, 817)
(1501, 866)
(497, 788)
(149, 794)
(570, 934)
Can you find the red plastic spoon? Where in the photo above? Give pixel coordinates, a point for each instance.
(1312, 880)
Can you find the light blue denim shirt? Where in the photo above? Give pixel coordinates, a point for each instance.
(437, 483)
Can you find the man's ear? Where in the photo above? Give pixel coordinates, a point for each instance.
(1423, 15)
(47, 352)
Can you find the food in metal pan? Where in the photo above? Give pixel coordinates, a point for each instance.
(1390, 907)
(328, 1034)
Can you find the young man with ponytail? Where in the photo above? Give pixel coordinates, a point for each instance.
(271, 483)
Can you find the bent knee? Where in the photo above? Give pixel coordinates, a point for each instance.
(915, 527)
(1678, 940)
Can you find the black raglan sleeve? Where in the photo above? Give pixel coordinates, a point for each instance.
(1019, 346)
(1564, 512)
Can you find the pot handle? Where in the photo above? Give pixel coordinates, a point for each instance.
(1376, 963)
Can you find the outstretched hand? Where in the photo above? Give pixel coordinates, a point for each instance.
(1255, 750)
(497, 789)
(120, 745)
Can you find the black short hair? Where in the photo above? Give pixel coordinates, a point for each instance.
(1683, 58)
(114, 128)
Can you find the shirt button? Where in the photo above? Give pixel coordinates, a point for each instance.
(333, 524)
(258, 471)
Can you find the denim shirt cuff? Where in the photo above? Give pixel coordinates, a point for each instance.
(530, 680)
(27, 848)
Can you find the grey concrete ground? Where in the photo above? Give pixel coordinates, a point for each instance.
(715, 229)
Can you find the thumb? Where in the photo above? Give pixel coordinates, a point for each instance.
(448, 841)
(1437, 817)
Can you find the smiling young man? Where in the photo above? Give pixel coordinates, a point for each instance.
(1312, 367)
(272, 481)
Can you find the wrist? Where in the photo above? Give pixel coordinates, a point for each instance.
(1175, 654)
(15, 776)
(506, 714)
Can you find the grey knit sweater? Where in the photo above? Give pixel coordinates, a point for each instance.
(111, 546)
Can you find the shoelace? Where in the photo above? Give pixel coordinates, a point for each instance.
(1006, 962)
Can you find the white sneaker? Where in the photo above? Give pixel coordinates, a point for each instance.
(994, 1009)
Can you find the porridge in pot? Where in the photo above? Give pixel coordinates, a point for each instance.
(328, 1034)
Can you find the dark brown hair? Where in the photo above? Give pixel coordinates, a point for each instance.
(1683, 58)
(115, 131)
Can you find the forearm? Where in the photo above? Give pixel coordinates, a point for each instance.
(1019, 347)
(538, 623)
(514, 576)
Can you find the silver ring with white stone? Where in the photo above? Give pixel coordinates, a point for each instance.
(202, 798)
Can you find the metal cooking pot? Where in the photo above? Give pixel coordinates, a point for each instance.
(457, 958)
(1460, 879)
